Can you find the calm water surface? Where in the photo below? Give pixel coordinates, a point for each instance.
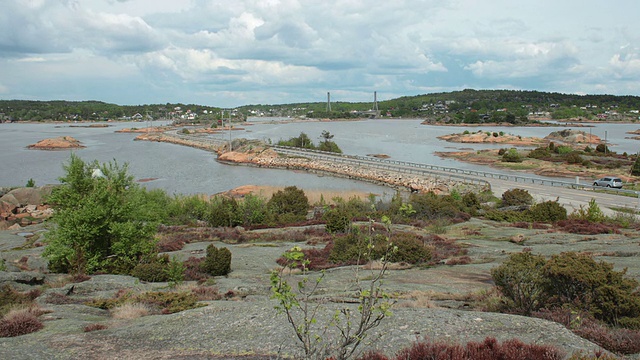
(179, 169)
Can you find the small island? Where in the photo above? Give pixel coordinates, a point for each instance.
(59, 143)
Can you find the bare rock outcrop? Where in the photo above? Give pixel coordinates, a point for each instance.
(59, 143)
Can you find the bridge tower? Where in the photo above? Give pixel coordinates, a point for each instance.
(328, 101)
(375, 101)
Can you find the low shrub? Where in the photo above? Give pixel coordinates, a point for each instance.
(573, 158)
(337, 220)
(217, 262)
(155, 271)
(206, 293)
(585, 227)
(521, 280)
(157, 302)
(20, 322)
(94, 327)
(540, 154)
(489, 349)
(10, 298)
(578, 280)
(461, 260)
(548, 211)
(516, 197)
(512, 156)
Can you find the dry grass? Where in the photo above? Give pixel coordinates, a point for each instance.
(416, 299)
(314, 195)
(130, 311)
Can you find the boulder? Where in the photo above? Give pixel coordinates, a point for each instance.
(29, 195)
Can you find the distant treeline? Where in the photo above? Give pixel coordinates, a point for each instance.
(457, 106)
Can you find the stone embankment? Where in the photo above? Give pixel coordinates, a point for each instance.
(263, 156)
(194, 143)
(256, 153)
(23, 206)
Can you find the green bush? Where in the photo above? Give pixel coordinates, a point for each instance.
(224, 211)
(635, 168)
(502, 151)
(103, 221)
(602, 148)
(349, 248)
(430, 206)
(512, 156)
(155, 271)
(217, 262)
(573, 158)
(570, 280)
(409, 249)
(580, 281)
(548, 211)
(521, 280)
(30, 183)
(291, 201)
(516, 197)
(563, 149)
(337, 221)
(539, 153)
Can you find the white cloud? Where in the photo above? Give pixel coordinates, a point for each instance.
(291, 50)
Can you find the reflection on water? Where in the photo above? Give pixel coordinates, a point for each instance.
(180, 169)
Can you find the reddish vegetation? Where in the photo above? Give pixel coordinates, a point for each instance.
(20, 322)
(585, 227)
(618, 340)
(489, 349)
(94, 327)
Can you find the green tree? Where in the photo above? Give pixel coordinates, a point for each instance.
(290, 201)
(100, 225)
(635, 169)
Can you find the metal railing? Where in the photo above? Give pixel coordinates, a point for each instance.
(465, 174)
(462, 175)
(395, 166)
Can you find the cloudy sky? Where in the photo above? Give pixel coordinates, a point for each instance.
(236, 52)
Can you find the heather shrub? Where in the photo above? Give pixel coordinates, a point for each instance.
(585, 227)
(217, 262)
(20, 322)
(489, 349)
(94, 327)
(516, 197)
(548, 211)
(521, 280)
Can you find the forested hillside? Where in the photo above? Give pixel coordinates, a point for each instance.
(468, 106)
